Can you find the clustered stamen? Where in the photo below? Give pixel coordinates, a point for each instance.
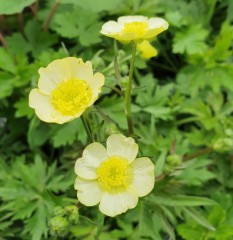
(71, 96)
(114, 174)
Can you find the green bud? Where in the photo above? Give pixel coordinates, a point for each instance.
(58, 211)
(223, 145)
(111, 128)
(73, 214)
(97, 62)
(121, 53)
(124, 69)
(58, 226)
(174, 160)
(124, 82)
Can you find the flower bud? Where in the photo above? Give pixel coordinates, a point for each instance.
(72, 214)
(97, 62)
(174, 160)
(121, 53)
(124, 69)
(58, 211)
(58, 226)
(124, 83)
(111, 128)
(223, 145)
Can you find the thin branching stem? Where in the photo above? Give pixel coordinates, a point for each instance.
(50, 16)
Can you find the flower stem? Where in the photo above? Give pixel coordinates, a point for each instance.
(129, 90)
(198, 153)
(87, 127)
(100, 225)
(50, 16)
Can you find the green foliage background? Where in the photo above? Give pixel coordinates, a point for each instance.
(182, 110)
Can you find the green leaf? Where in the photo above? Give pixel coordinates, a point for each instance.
(79, 23)
(181, 200)
(37, 223)
(190, 40)
(23, 109)
(188, 232)
(199, 218)
(10, 6)
(6, 61)
(17, 44)
(95, 6)
(38, 133)
(195, 172)
(160, 163)
(66, 134)
(6, 84)
(148, 226)
(39, 41)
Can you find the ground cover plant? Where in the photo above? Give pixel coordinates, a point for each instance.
(120, 129)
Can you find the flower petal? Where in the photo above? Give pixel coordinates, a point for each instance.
(56, 72)
(95, 84)
(111, 28)
(128, 19)
(114, 204)
(119, 145)
(93, 155)
(156, 23)
(88, 192)
(79, 69)
(61, 70)
(45, 110)
(144, 177)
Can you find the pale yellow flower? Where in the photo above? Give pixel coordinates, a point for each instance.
(146, 49)
(113, 177)
(66, 88)
(134, 28)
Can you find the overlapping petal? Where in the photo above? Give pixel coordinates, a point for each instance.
(115, 204)
(53, 76)
(88, 192)
(142, 28)
(119, 145)
(97, 161)
(143, 180)
(93, 155)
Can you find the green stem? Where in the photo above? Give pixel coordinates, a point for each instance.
(198, 153)
(50, 16)
(129, 90)
(87, 127)
(100, 225)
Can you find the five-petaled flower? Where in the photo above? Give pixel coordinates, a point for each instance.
(66, 88)
(113, 177)
(134, 28)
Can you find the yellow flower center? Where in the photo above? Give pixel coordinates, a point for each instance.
(115, 174)
(71, 96)
(136, 27)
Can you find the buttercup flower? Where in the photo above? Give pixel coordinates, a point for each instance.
(66, 88)
(146, 49)
(134, 28)
(113, 177)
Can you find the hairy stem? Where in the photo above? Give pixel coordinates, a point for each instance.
(129, 90)
(50, 16)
